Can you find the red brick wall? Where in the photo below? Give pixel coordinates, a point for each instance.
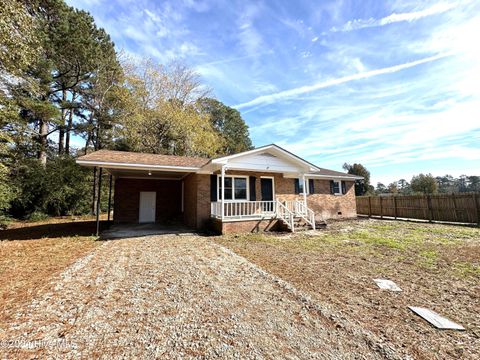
(203, 200)
(127, 199)
(197, 200)
(190, 198)
(234, 227)
(327, 206)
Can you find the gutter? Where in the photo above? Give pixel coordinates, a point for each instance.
(115, 165)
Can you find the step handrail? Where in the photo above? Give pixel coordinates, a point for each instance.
(286, 215)
(305, 213)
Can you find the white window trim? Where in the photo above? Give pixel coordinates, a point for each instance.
(339, 187)
(219, 181)
(273, 185)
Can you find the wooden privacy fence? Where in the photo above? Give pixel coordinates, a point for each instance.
(461, 207)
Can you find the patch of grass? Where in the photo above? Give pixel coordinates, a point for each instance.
(428, 258)
(466, 269)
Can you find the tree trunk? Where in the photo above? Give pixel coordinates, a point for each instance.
(69, 127)
(61, 134)
(42, 152)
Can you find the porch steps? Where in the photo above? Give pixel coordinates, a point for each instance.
(300, 224)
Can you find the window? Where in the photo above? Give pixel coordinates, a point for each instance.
(240, 188)
(300, 186)
(337, 187)
(236, 188)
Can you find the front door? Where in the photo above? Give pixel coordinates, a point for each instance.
(267, 193)
(147, 207)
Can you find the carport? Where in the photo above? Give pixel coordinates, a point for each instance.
(149, 188)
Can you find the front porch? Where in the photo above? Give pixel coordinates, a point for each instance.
(288, 212)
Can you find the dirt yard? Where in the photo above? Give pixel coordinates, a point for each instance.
(31, 254)
(437, 266)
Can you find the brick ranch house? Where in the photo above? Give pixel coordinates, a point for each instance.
(263, 189)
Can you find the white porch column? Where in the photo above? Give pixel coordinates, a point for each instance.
(304, 190)
(223, 191)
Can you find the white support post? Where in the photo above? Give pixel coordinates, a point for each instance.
(223, 191)
(304, 191)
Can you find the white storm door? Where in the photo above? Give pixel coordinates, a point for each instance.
(147, 207)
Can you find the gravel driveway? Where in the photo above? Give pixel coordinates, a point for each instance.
(182, 297)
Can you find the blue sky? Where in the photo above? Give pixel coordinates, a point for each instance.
(393, 85)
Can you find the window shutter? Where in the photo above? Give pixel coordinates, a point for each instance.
(213, 187)
(253, 194)
(332, 189)
(311, 187)
(297, 186)
(344, 187)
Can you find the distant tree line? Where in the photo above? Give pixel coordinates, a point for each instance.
(61, 80)
(419, 184)
(428, 184)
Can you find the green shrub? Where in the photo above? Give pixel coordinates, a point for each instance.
(37, 216)
(69, 188)
(60, 188)
(4, 221)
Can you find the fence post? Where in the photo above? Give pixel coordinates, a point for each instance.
(454, 207)
(429, 207)
(477, 211)
(381, 207)
(395, 206)
(369, 206)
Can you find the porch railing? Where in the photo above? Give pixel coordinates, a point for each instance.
(243, 209)
(299, 209)
(285, 210)
(286, 215)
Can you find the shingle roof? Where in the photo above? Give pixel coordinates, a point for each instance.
(327, 172)
(144, 159)
(126, 157)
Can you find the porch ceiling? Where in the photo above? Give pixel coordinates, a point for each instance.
(147, 174)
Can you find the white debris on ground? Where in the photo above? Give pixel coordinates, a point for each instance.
(183, 297)
(386, 284)
(435, 319)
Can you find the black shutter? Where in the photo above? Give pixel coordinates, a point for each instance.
(332, 187)
(311, 187)
(344, 188)
(253, 194)
(297, 186)
(213, 187)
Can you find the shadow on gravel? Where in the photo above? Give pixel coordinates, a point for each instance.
(124, 231)
(69, 229)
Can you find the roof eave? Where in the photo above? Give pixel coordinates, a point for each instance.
(224, 159)
(340, 177)
(134, 166)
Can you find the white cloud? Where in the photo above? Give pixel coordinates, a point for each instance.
(250, 39)
(282, 95)
(395, 18)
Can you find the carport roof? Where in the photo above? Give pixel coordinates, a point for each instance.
(110, 157)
